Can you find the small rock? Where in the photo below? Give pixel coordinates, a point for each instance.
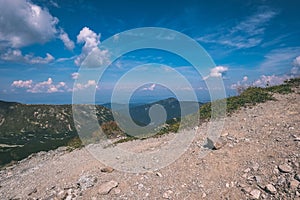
(215, 145)
(167, 194)
(281, 180)
(293, 184)
(258, 179)
(227, 185)
(255, 166)
(285, 168)
(87, 181)
(107, 170)
(255, 194)
(241, 185)
(62, 194)
(271, 189)
(117, 191)
(158, 174)
(140, 186)
(105, 188)
(297, 139)
(203, 195)
(69, 197)
(34, 190)
(247, 170)
(297, 177)
(247, 189)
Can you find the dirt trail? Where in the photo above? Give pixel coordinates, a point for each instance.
(260, 160)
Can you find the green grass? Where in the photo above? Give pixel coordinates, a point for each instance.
(249, 97)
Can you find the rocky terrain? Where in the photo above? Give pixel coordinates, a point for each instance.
(258, 158)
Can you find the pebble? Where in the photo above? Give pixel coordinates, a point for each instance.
(140, 186)
(69, 197)
(215, 145)
(105, 188)
(255, 167)
(285, 168)
(107, 170)
(117, 191)
(158, 174)
(281, 180)
(297, 177)
(87, 181)
(258, 179)
(167, 194)
(293, 184)
(247, 170)
(255, 194)
(270, 189)
(34, 190)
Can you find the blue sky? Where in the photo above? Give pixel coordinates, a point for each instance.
(43, 43)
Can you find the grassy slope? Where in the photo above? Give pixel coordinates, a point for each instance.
(249, 97)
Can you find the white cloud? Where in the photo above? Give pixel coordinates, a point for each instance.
(245, 79)
(81, 86)
(91, 41)
(150, 88)
(24, 23)
(69, 44)
(271, 80)
(217, 71)
(246, 34)
(296, 66)
(39, 60)
(22, 84)
(40, 87)
(17, 56)
(75, 75)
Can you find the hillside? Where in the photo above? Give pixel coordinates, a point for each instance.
(26, 129)
(37, 127)
(258, 159)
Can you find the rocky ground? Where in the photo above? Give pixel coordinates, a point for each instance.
(258, 158)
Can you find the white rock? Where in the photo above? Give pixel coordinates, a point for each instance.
(285, 168)
(255, 194)
(105, 188)
(167, 194)
(271, 189)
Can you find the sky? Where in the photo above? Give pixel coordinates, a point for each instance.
(43, 45)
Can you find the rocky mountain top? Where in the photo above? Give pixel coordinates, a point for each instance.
(259, 158)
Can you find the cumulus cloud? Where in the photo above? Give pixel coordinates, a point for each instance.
(91, 41)
(16, 55)
(150, 88)
(24, 23)
(75, 75)
(22, 84)
(271, 80)
(40, 87)
(217, 71)
(245, 79)
(81, 86)
(296, 66)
